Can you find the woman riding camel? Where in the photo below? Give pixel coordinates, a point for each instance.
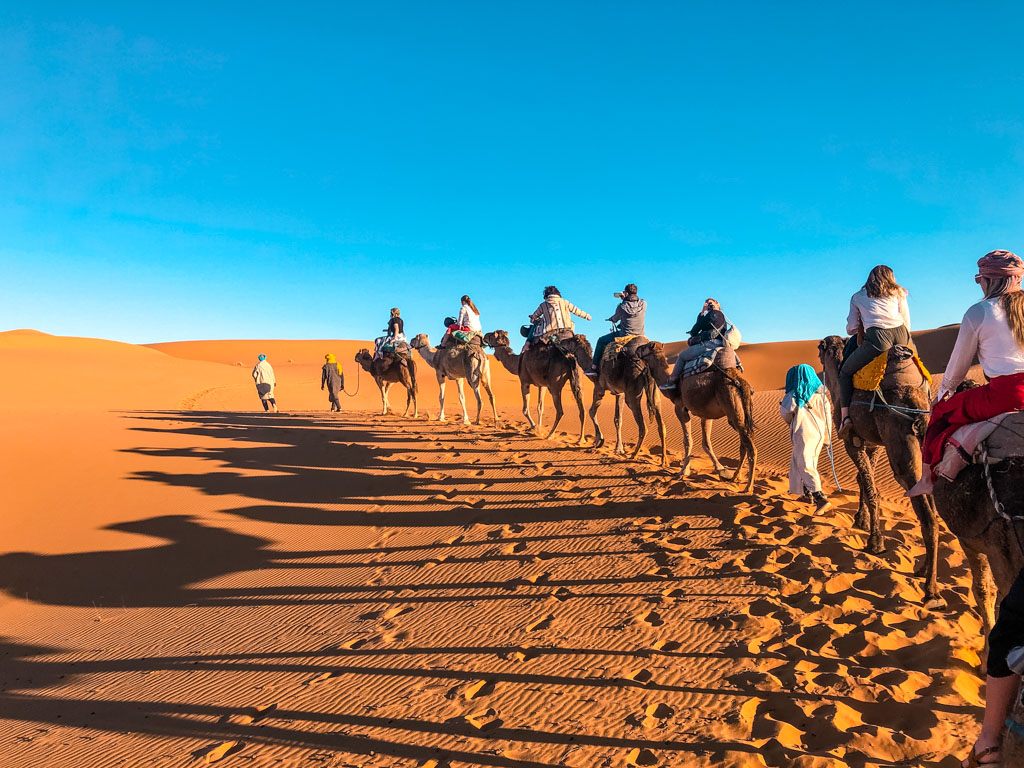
(554, 314)
(992, 329)
(807, 410)
(879, 312)
(395, 331)
(468, 322)
(710, 330)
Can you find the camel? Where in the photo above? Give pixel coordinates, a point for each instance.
(993, 545)
(900, 432)
(388, 370)
(547, 366)
(458, 362)
(714, 394)
(625, 371)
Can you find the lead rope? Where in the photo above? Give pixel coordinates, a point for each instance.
(996, 503)
(359, 370)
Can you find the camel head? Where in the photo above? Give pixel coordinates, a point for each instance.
(496, 339)
(831, 348)
(420, 340)
(653, 353)
(364, 358)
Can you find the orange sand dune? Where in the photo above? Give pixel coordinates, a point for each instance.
(186, 580)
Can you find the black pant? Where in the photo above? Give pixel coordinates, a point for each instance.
(1008, 632)
(269, 402)
(876, 341)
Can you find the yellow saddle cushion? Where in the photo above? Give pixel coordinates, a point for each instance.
(870, 376)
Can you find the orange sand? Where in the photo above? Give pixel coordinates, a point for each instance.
(188, 580)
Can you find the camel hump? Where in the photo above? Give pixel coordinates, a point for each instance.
(899, 366)
(1007, 438)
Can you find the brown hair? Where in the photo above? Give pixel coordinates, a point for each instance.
(1013, 305)
(882, 282)
(469, 303)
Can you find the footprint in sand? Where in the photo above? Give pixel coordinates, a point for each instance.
(513, 549)
(354, 645)
(642, 757)
(526, 653)
(540, 624)
(392, 613)
(217, 752)
(483, 719)
(653, 618)
(666, 646)
(478, 689)
(641, 676)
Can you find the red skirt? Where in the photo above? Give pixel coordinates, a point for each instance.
(1001, 394)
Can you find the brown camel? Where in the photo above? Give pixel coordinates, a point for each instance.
(992, 544)
(900, 430)
(390, 369)
(547, 365)
(714, 394)
(625, 371)
(459, 362)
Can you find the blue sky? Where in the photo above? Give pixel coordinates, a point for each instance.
(292, 171)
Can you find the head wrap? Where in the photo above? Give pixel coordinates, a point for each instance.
(1000, 266)
(331, 360)
(997, 264)
(802, 382)
(329, 357)
(262, 357)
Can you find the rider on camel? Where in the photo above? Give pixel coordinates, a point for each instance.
(628, 320)
(554, 315)
(880, 319)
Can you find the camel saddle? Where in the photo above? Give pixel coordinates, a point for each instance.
(992, 440)
(722, 356)
(899, 366)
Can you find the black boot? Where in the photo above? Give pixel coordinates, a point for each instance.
(821, 502)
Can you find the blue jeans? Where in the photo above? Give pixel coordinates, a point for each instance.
(603, 342)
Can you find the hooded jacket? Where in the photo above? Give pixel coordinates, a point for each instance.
(629, 316)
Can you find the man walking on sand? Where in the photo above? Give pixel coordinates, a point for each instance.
(263, 375)
(334, 380)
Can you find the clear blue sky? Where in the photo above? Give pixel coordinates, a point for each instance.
(178, 171)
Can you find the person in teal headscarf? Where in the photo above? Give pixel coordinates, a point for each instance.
(806, 408)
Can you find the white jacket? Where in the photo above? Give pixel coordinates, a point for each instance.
(469, 319)
(983, 332)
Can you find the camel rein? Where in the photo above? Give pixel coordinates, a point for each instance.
(359, 370)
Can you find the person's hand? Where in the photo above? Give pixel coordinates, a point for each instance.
(588, 318)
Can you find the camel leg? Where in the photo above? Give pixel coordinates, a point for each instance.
(636, 406)
(594, 405)
(556, 398)
(408, 401)
(684, 421)
(486, 381)
(983, 587)
(735, 415)
(525, 388)
(440, 396)
(709, 449)
(540, 408)
(574, 385)
(660, 420)
(479, 400)
(460, 387)
(869, 498)
(385, 406)
(618, 425)
(905, 460)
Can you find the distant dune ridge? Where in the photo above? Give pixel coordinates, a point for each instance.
(186, 578)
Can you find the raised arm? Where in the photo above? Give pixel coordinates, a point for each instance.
(576, 310)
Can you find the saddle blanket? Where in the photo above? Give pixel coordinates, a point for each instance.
(723, 357)
(898, 366)
(998, 438)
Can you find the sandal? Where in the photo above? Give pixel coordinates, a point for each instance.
(974, 758)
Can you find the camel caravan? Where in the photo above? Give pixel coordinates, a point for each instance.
(706, 381)
(957, 450)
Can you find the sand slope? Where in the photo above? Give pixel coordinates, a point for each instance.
(183, 586)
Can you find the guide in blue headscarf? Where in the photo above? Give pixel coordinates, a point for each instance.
(807, 409)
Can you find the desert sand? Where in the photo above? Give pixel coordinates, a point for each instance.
(187, 580)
